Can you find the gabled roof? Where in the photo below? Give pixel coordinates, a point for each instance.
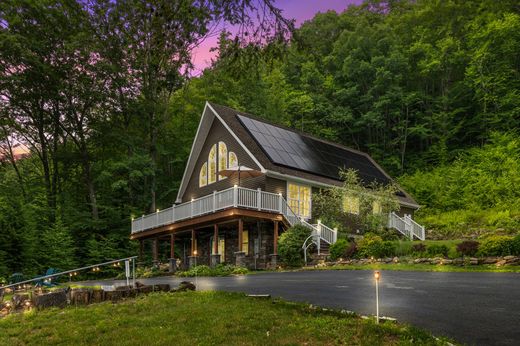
(290, 154)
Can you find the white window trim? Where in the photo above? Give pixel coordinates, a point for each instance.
(310, 195)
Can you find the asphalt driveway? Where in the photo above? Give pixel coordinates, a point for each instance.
(472, 308)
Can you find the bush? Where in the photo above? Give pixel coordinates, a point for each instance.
(373, 246)
(496, 245)
(351, 251)
(290, 245)
(516, 245)
(418, 248)
(438, 250)
(468, 248)
(338, 249)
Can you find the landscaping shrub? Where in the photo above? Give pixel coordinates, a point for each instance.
(496, 245)
(373, 246)
(437, 250)
(516, 245)
(338, 249)
(290, 245)
(418, 248)
(468, 248)
(351, 250)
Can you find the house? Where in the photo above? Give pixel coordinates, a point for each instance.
(236, 218)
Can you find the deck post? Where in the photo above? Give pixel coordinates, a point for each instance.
(141, 250)
(274, 255)
(192, 259)
(240, 255)
(235, 196)
(215, 256)
(173, 261)
(155, 252)
(259, 198)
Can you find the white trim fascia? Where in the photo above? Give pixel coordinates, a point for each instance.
(262, 169)
(182, 186)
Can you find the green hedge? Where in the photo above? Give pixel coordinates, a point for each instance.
(497, 245)
(290, 245)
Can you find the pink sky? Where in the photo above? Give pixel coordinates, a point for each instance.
(301, 10)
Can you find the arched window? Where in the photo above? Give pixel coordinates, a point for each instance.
(222, 158)
(203, 175)
(233, 160)
(212, 161)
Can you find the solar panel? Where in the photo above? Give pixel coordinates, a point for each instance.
(290, 149)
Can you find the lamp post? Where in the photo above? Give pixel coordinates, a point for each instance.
(377, 275)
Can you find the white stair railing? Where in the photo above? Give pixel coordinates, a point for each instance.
(406, 225)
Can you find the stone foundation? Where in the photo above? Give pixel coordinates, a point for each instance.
(173, 265)
(215, 260)
(193, 261)
(240, 259)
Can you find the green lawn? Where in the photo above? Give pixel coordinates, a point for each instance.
(202, 318)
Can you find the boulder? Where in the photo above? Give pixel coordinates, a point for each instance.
(473, 260)
(185, 286)
(161, 288)
(114, 296)
(388, 260)
(395, 259)
(490, 260)
(501, 263)
(80, 296)
(458, 261)
(512, 259)
(145, 289)
(97, 296)
(51, 299)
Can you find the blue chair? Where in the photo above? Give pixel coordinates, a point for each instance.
(47, 282)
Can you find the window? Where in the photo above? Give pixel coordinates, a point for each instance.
(212, 161)
(299, 199)
(376, 207)
(233, 160)
(245, 242)
(222, 158)
(203, 175)
(351, 204)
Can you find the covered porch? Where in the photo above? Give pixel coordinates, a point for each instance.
(235, 236)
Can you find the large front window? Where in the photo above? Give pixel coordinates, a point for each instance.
(299, 199)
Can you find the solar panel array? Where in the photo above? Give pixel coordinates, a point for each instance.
(290, 149)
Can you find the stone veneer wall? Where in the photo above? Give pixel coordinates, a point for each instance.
(260, 236)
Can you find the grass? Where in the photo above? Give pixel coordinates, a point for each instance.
(421, 267)
(202, 318)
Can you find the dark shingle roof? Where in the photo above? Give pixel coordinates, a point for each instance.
(367, 168)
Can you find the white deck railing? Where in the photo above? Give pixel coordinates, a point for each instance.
(406, 226)
(233, 197)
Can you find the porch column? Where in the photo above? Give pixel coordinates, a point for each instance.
(141, 250)
(192, 259)
(215, 256)
(240, 256)
(155, 252)
(173, 261)
(274, 255)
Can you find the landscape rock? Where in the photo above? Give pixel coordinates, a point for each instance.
(80, 296)
(114, 296)
(447, 261)
(490, 260)
(161, 288)
(51, 299)
(395, 259)
(473, 261)
(458, 261)
(501, 263)
(97, 296)
(19, 299)
(185, 286)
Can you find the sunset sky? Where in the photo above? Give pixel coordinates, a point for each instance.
(301, 10)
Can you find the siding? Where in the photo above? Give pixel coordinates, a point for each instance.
(218, 133)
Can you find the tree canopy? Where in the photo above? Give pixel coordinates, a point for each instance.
(103, 96)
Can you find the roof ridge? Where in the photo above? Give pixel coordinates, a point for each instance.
(305, 134)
